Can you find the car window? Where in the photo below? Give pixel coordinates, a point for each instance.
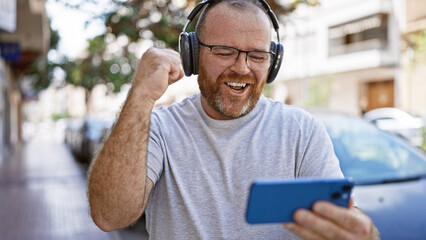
(368, 154)
(95, 128)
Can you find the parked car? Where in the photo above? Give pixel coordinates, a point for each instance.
(389, 173)
(84, 137)
(73, 137)
(399, 122)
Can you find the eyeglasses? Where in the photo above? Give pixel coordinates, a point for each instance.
(256, 60)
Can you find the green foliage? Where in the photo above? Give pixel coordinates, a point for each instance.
(267, 90)
(423, 146)
(320, 90)
(56, 117)
(54, 38)
(41, 70)
(292, 6)
(113, 56)
(418, 43)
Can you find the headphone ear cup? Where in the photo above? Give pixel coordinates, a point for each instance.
(185, 53)
(195, 49)
(278, 49)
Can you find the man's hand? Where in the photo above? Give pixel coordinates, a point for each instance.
(158, 69)
(328, 221)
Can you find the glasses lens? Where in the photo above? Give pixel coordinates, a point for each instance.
(259, 60)
(259, 57)
(228, 56)
(225, 52)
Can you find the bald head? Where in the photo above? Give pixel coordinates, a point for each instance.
(252, 6)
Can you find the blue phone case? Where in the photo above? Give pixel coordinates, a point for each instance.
(274, 201)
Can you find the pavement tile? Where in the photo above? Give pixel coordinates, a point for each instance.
(43, 196)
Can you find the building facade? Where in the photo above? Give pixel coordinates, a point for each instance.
(346, 55)
(24, 38)
(413, 58)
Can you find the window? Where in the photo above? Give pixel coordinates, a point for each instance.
(359, 35)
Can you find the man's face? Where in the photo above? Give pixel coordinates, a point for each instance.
(232, 89)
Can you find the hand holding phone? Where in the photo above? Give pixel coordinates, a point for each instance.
(275, 201)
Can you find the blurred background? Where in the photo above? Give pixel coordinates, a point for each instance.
(66, 68)
(63, 62)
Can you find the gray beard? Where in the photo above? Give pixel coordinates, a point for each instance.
(219, 107)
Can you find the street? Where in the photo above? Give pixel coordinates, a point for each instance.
(43, 196)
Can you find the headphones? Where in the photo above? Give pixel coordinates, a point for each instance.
(189, 45)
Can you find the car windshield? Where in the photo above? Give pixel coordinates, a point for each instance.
(368, 154)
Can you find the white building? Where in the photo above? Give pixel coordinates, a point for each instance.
(345, 55)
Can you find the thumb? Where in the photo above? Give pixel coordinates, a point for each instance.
(351, 202)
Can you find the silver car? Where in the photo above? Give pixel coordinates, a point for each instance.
(398, 122)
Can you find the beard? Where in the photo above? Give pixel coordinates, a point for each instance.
(230, 106)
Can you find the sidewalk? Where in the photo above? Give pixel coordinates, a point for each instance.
(43, 196)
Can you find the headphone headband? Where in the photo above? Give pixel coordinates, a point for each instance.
(189, 45)
(265, 5)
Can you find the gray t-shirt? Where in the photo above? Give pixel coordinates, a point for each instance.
(202, 168)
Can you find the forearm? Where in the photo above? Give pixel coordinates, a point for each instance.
(117, 177)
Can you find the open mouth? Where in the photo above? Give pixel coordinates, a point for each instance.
(237, 87)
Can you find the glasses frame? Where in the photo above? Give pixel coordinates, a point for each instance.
(210, 47)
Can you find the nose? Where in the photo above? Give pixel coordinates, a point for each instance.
(240, 66)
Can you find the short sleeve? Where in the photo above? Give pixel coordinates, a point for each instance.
(155, 153)
(318, 158)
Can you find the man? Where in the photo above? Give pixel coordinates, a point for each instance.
(189, 166)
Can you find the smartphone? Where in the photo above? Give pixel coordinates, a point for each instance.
(275, 201)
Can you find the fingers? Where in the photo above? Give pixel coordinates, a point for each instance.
(315, 225)
(163, 60)
(302, 232)
(351, 202)
(172, 63)
(349, 219)
(328, 221)
(158, 69)
(176, 72)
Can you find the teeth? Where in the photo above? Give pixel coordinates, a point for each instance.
(235, 84)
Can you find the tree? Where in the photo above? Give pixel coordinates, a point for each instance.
(417, 42)
(131, 27)
(41, 70)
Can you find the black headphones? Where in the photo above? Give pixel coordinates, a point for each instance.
(189, 46)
